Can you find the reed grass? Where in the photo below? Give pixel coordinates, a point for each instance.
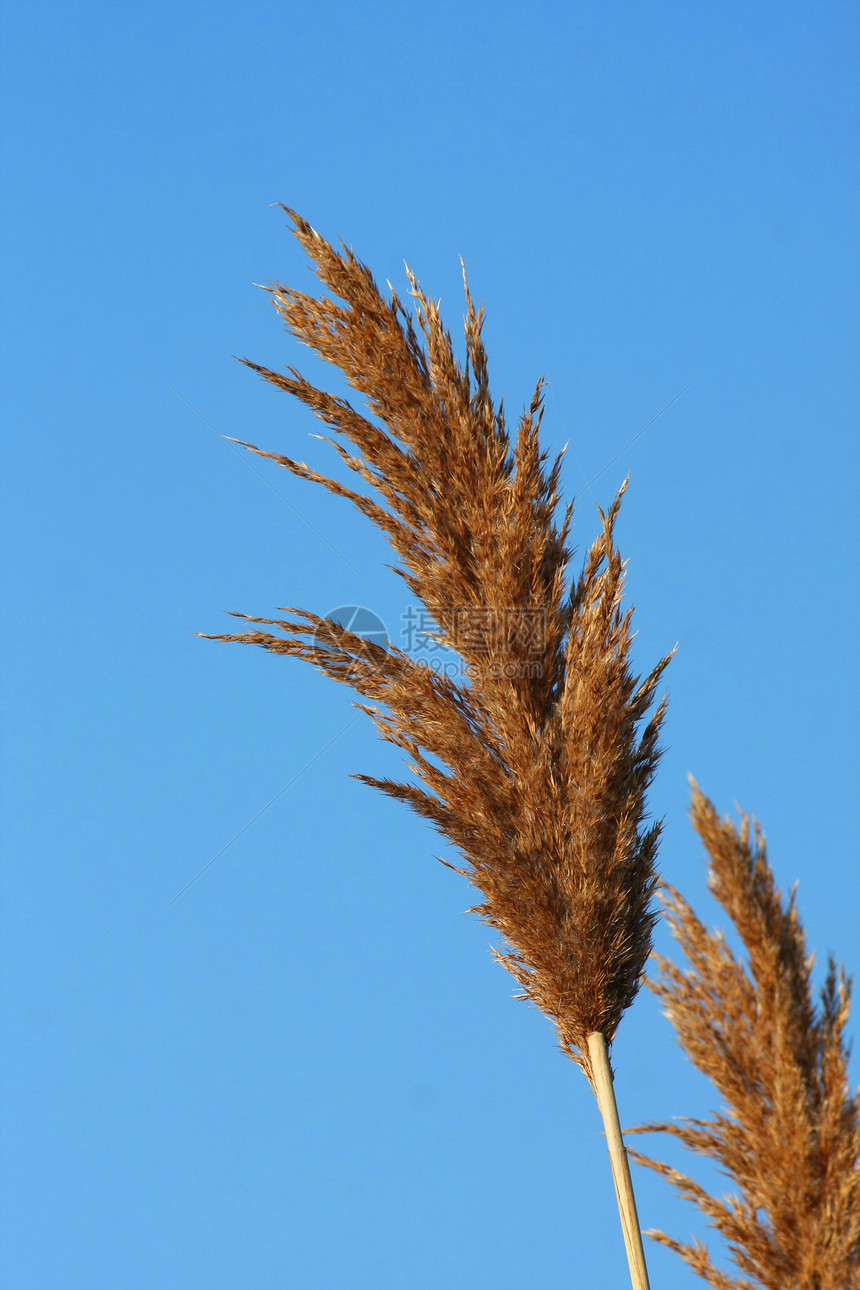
(788, 1136)
(535, 767)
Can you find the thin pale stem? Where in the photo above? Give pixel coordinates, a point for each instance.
(605, 1093)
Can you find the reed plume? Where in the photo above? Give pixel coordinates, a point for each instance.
(789, 1135)
(536, 765)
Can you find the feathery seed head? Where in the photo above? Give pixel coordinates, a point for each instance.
(789, 1136)
(537, 765)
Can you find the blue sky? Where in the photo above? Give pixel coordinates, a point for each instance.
(307, 1071)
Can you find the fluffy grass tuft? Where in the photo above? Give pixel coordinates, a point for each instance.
(789, 1134)
(536, 765)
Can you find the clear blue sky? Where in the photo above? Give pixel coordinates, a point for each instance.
(307, 1071)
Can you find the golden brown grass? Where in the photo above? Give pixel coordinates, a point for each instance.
(789, 1134)
(537, 765)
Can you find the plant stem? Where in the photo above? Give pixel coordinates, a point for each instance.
(605, 1093)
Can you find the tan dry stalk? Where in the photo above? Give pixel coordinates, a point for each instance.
(536, 766)
(789, 1134)
(604, 1091)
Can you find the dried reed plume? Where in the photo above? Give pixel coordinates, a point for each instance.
(790, 1135)
(536, 766)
